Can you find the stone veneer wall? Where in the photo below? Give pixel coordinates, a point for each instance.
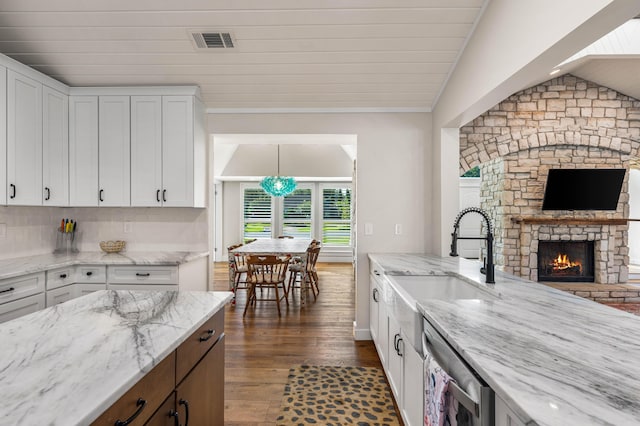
(563, 123)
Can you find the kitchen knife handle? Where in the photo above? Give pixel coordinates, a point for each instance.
(13, 191)
(158, 195)
(164, 195)
(100, 195)
(48, 191)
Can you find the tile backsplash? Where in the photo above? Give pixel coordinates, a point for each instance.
(28, 231)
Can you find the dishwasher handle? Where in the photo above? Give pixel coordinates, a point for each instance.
(458, 393)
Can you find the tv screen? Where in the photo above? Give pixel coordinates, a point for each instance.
(583, 189)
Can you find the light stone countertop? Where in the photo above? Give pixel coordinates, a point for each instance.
(554, 358)
(14, 267)
(66, 364)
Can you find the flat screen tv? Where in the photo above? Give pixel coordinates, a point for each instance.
(583, 189)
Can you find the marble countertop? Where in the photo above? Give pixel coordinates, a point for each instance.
(66, 364)
(553, 357)
(14, 267)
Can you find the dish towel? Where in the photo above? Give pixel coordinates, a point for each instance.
(437, 399)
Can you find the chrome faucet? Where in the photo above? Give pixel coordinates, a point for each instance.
(488, 268)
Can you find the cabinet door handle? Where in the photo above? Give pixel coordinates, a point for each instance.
(7, 290)
(140, 403)
(13, 191)
(375, 295)
(176, 417)
(63, 276)
(140, 274)
(400, 340)
(395, 342)
(210, 333)
(100, 195)
(48, 191)
(186, 411)
(164, 195)
(89, 273)
(158, 195)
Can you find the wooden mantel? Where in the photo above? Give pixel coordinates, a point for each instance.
(569, 220)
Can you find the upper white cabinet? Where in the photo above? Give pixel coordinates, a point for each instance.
(114, 151)
(83, 151)
(55, 147)
(24, 140)
(168, 153)
(146, 151)
(3, 135)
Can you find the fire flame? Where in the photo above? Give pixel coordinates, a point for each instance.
(563, 262)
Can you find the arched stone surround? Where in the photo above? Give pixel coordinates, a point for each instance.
(565, 122)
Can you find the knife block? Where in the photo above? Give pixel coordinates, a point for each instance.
(66, 242)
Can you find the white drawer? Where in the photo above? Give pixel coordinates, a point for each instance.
(155, 287)
(84, 289)
(18, 308)
(164, 275)
(60, 294)
(60, 277)
(91, 274)
(22, 286)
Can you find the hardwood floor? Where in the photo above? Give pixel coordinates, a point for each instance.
(261, 347)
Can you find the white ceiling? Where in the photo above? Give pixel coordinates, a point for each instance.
(290, 53)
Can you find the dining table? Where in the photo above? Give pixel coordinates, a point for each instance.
(275, 246)
(296, 247)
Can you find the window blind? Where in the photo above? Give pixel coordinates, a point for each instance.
(256, 213)
(336, 216)
(296, 214)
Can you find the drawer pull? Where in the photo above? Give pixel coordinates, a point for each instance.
(186, 411)
(140, 274)
(89, 273)
(140, 403)
(210, 333)
(63, 276)
(7, 290)
(375, 295)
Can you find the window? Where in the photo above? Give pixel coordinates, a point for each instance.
(336, 216)
(296, 213)
(257, 207)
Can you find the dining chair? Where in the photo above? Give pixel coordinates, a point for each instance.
(282, 237)
(267, 272)
(304, 270)
(237, 268)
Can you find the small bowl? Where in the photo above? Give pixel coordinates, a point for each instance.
(112, 246)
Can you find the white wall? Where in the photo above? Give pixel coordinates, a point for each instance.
(390, 178)
(32, 230)
(514, 46)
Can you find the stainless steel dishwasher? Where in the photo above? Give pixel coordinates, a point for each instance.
(474, 396)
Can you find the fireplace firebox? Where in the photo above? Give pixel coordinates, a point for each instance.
(566, 261)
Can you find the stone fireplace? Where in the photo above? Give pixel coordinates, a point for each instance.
(562, 123)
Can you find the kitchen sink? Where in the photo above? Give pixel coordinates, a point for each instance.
(408, 289)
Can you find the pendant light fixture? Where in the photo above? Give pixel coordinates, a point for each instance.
(278, 186)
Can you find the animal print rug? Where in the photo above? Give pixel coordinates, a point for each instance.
(335, 396)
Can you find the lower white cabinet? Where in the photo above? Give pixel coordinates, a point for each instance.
(60, 294)
(69, 282)
(394, 361)
(412, 385)
(153, 287)
(505, 416)
(20, 307)
(138, 275)
(82, 289)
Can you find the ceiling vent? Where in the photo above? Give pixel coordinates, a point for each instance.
(207, 40)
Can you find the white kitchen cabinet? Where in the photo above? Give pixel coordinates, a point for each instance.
(55, 147)
(412, 385)
(136, 274)
(82, 289)
(3, 135)
(114, 151)
(21, 295)
(394, 360)
(145, 287)
(504, 415)
(24, 140)
(146, 151)
(374, 309)
(60, 294)
(83, 151)
(20, 307)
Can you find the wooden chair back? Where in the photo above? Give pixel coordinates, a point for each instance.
(267, 268)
